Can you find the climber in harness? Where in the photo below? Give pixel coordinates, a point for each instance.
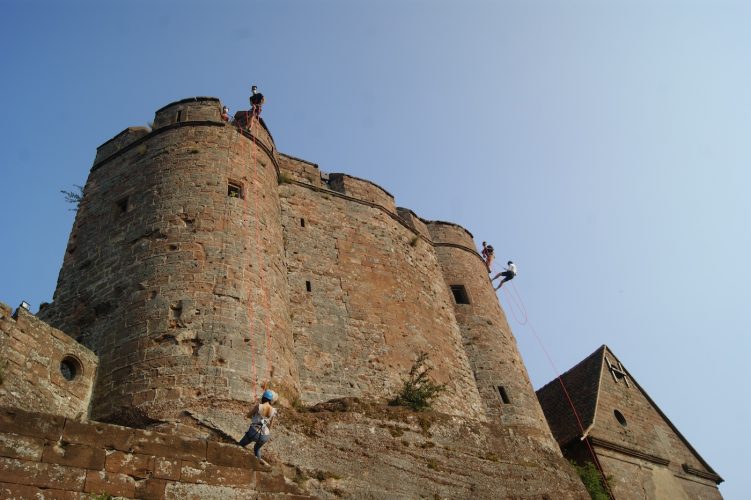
(508, 274)
(261, 417)
(256, 101)
(487, 255)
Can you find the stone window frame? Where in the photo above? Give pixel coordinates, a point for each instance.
(503, 395)
(460, 294)
(235, 189)
(72, 365)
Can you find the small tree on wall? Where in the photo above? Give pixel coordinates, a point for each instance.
(418, 390)
(74, 196)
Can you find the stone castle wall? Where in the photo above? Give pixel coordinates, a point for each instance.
(43, 369)
(203, 265)
(165, 276)
(367, 296)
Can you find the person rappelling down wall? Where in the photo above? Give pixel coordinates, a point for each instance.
(261, 417)
(508, 274)
(487, 254)
(256, 101)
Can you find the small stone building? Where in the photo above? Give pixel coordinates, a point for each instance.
(632, 440)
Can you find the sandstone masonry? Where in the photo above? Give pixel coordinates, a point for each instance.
(205, 265)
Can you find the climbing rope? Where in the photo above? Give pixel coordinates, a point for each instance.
(516, 297)
(251, 308)
(262, 272)
(250, 121)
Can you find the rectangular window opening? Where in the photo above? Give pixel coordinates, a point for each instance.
(234, 190)
(460, 294)
(302, 222)
(307, 286)
(179, 115)
(122, 205)
(504, 395)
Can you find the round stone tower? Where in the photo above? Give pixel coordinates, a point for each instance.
(174, 272)
(499, 371)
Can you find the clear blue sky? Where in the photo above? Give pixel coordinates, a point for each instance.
(602, 146)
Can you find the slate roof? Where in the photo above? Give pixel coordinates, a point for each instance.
(582, 383)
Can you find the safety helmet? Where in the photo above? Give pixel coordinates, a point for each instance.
(269, 394)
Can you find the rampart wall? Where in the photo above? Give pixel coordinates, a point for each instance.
(366, 296)
(49, 456)
(43, 369)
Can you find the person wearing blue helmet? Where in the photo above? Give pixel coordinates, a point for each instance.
(261, 417)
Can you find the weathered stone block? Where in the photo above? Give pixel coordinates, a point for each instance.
(132, 464)
(230, 455)
(41, 474)
(74, 455)
(206, 473)
(25, 423)
(151, 489)
(165, 468)
(109, 483)
(23, 447)
(98, 434)
(164, 445)
(18, 491)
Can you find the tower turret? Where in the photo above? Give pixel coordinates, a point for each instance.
(174, 272)
(499, 371)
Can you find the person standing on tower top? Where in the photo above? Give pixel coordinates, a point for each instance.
(508, 274)
(256, 101)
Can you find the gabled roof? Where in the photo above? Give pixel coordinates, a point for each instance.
(583, 385)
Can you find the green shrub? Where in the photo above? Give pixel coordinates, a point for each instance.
(592, 480)
(418, 391)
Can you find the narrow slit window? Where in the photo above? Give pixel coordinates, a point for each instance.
(179, 115)
(504, 395)
(302, 222)
(122, 205)
(234, 190)
(307, 286)
(460, 294)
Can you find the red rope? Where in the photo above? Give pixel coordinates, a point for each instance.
(251, 308)
(565, 391)
(262, 272)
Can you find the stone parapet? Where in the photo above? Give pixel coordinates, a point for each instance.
(42, 368)
(189, 110)
(362, 189)
(47, 456)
